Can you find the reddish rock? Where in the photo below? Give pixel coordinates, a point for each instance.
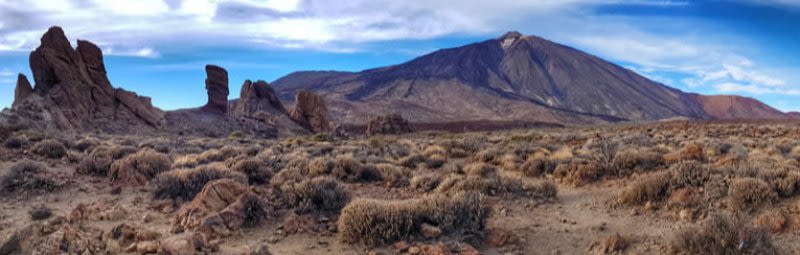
(217, 88)
(429, 231)
(256, 98)
(310, 112)
(391, 124)
(220, 208)
(499, 237)
(73, 92)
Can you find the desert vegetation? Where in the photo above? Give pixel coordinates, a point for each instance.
(667, 188)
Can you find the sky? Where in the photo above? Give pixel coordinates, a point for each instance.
(159, 48)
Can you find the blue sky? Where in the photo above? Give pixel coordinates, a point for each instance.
(158, 48)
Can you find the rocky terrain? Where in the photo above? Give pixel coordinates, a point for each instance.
(668, 188)
(512, 78)
(72, 93)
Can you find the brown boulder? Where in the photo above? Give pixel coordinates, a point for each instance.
(222, 206)
(72, 91)
(187, 243)
(310, 112)
(256, 98)
(391, 124)
(217, 88)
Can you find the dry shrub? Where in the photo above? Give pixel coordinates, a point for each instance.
(612, 244)
(97, 163)
(186, 183)
(375, 222)
(347, 169)
(537, 167)
(690, 174)
(773, 220)
(85, 144)
(321, 195)
(257, 171)
(652, 187)
(636, 161)
(578, 172)
(495, 186)
(425, 182)
(784, 179)
(720, 234)
(749, 194)
(14, 142)
(453, 168)
(40, 213)
(320, 166)
(436, 161)
(392, 175)
(411, 161)
(486, 156)
(692, 151)
(50, 148)
(480, 169)
(295, 171)
(27, 177)
(138, 168)
(119, 152)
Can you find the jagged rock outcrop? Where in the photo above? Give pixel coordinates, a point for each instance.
(257, 99)
(310, 112)
(391, 124)
(23, 89)
(217, 87)
(72, 91)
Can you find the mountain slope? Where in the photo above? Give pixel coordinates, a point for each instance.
(738, 107)
(513, 77)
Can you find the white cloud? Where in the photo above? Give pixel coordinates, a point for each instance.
(754, 89)
(143, 52)
(6, 73)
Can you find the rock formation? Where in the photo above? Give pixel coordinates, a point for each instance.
(23, 89)
(256, 98)
(310, 112)
(391, 124)
(72, 91)
(217, 87)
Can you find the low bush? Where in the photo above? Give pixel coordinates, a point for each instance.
(27, 177)
(425, 182)
(480, 169)
(257, 171)
(375, 222)
(184, 184)
(749, 194)
(720, 234)
(40, 213)
(138, 168)
(347, 169)
(97, 163)
(652, 187)
(318, 195)
(392, 175)
(636, 161)
(50, 148)
(537, 167)
(578, 172)
(14, 142)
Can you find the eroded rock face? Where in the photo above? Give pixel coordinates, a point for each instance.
(391, 124)
(310, 112)
(23, 89)
(217, 87)
(223, 206)
(72, 91)
(257, 97)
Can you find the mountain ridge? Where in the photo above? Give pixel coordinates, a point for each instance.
(556, 82)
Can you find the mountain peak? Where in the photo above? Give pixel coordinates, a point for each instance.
(509, 38)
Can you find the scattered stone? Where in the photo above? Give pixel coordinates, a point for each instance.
(498, 237)
(187, 243)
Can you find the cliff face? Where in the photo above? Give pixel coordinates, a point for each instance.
(72, 91)
(737, 107)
